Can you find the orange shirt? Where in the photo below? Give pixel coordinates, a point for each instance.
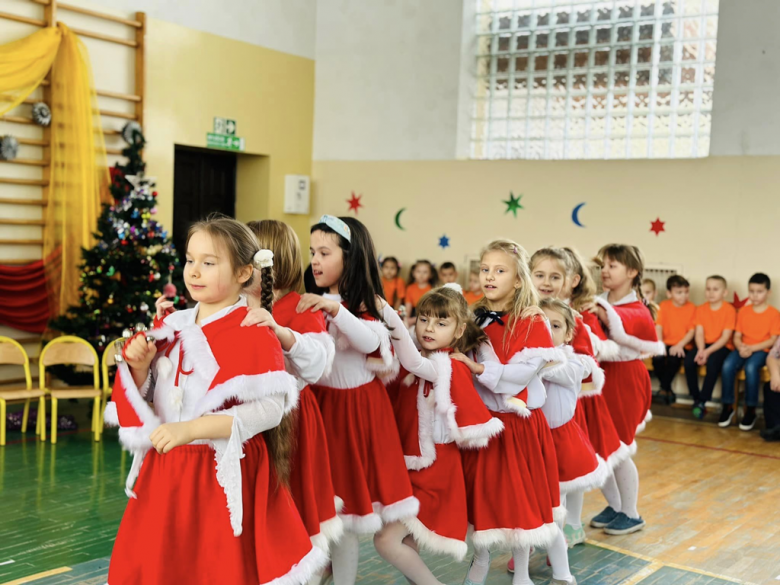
(716, 322)
(472, 297)
(394, 290)
(675, 321)
(414, 293)
(758, 327)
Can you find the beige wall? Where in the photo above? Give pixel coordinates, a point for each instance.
(721, 214)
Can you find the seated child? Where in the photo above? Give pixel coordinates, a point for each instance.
(648, 290)
(675, 326)
(422, 278)
(393, 285)
(758, 326)
(715, 322)
(474, 293)
(772, 396)
(448, 273)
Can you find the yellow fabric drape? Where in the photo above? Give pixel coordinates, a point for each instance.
(24, 64)
(79, 174)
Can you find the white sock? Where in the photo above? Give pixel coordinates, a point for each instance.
(574, 509)
(627, 478)
(558, 553)
(345, 556)
(389, 543)
(520, 556)
(480, 566)
(611, 493)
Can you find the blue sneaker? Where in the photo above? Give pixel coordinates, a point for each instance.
(622, 524)
(606, 516)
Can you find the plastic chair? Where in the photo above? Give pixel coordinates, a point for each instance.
(107, 360)
(71, 350)
(12, 353)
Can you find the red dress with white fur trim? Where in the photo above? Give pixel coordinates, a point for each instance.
(177, 527)
(434, 421)
(592, 413)
(627, 388)
(512, 484)
(310, 482)
(366, 460)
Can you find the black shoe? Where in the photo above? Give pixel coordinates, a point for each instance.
(670, 398)
(772, 434)
(726, 415)
(749, 420)
(699, 411)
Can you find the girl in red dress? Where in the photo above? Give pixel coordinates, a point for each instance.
(210, 503)
(308, 354)
(512, 484)
(559, 273)
(366, 459)
(629, 322)
(438, 412)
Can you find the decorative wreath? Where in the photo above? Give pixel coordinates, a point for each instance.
(41, 114)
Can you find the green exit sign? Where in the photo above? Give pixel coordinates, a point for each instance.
(224, 142)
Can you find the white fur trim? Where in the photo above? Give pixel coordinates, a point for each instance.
(425, 422)
(250, 388)
(401, 510)
(435, 543)
(549, 354)
(478, 436)
(618, 456)
(164, 332)
(618, 333)
(632, 448)
(330, 532)
(110, 417)
(641, 426)
(388, 367)
(508, 538)
(597, 376)
(339, 503)
(592, 480)
(135, 397)
(559, 515)
(368, 524)
(300, 573)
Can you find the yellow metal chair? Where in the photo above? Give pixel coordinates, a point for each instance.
(12, 353)
(106, 361)
(71, 350)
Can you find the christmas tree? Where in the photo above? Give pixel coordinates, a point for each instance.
(133, 261)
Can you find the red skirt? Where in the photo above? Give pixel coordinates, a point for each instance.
(310, 483)
(442, 523)
(592, 414)
(579, 468)
(366, 461)
(628, 395)
(510, 499)
(178, 529)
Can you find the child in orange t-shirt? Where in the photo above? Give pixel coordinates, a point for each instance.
(758, 327)
(715, 323)
(422, 278)
(474, 293)
(675, 326)
(392, 284)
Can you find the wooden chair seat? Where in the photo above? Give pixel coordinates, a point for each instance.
(85, 392)
(21, 394)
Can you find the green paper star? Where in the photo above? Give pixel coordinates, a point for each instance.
(513, 204)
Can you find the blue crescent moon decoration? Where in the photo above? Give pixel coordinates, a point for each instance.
(575, 215)
(398, 219)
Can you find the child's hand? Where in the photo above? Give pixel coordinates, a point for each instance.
(472, 365)
(745, 351)
(314, 303)
(259, 317)
(774, 384)
(380, 303)
(701, 357)
(677, 350)
(601, 312)
(164, 307)
(589, 307)
(139, 353)
(171, 435)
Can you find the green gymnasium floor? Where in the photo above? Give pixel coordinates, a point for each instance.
(60, 507)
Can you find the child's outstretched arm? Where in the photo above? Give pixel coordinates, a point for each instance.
(409, 356)
(359, 335)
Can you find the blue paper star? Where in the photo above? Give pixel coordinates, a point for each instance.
(444, 242)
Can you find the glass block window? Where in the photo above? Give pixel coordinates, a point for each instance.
(576, 79)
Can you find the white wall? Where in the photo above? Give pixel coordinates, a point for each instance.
(283, 25)
(392, 79)
(387, 79)
(745, 116)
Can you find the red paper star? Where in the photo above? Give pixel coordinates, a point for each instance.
(657, 226)
(354, 203)
(738, 304)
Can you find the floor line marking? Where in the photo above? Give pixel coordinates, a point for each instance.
(721, 449)
(37, 576)
(643, 573)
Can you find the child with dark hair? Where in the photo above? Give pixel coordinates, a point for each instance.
(758, 327)
(676, 328)
(392, 284)
(422, 279)
(448, 273)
